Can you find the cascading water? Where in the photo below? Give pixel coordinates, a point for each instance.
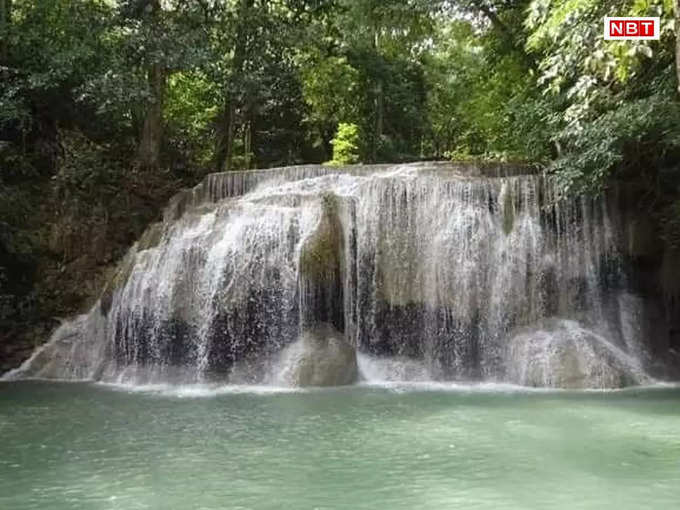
(428, 271)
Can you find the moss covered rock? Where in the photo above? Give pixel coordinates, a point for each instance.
(117, 281)
(321, 253)
(322, 268)
(151, 237)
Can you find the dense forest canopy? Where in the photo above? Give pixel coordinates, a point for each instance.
(109, 106)
(233, 84)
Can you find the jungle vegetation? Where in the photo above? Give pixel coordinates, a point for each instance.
(107, 107)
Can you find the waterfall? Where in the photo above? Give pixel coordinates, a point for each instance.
(445, 271)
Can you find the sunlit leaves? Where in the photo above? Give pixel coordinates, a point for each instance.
(604, 86)
(330, 86)
(346, 145)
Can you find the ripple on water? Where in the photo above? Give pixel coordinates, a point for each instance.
(368, 447)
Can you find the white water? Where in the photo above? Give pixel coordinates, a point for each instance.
(446, 275)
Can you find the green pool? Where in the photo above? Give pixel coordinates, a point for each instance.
(86, 446)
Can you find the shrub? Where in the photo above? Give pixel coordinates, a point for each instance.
(346, 145)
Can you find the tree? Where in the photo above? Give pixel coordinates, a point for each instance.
(49, 56)
(346, 145)
(601, 86)
(255, 48)
(5, 21)
(384, 37)
(677, 41)
(227, 127)
(152, 129)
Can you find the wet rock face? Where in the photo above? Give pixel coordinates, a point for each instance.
(564, 354)
(322, 268)
(118, 281)
(321, 357)
(70, 354)
(416, 331)
(418, 262)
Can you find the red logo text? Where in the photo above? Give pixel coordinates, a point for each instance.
(630, 28)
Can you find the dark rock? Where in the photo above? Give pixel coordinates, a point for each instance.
(321, 268)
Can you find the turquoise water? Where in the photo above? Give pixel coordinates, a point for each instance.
(86, 446)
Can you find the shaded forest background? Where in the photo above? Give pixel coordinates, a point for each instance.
(109, 107)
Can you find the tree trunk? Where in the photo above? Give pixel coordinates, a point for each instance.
(225, 141)
(506, 33)
(677, 40)
(225, 136)
(5, 20)
(379, 99)
(149, 151)
(152, 130)
(247, 144)
(379, 107)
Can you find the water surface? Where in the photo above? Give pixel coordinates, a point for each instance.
(86, 446)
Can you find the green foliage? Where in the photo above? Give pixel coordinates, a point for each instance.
(482, 99)
(48, 54)
(635, 138)
(616, 112)
(300, 81)
(346, 145)
(86, 171)
(190, 111)
(612, 109)
(531, 80)
(503, 80)
(363, 64)
(329, 88)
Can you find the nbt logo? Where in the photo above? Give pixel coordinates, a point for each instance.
(616, 29)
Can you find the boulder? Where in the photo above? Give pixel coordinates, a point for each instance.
(320, 357)
(559, 353)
